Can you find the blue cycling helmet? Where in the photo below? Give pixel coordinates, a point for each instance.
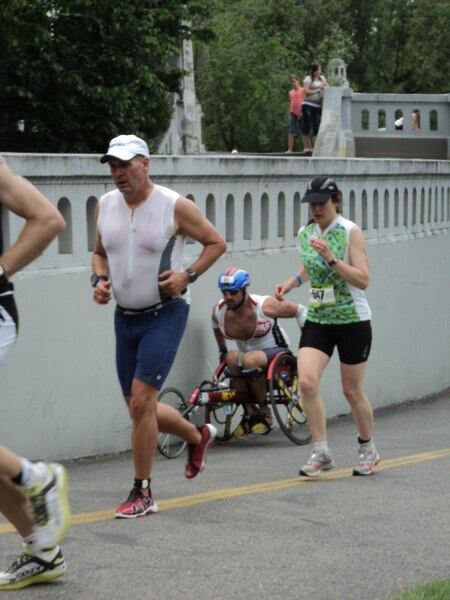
(233, 279)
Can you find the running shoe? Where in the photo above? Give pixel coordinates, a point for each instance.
(196, 460)
(242, 429)
(367, 461)
(261, 424)
(318, 462)
(28, 569)
(136, 505)
(50, 503)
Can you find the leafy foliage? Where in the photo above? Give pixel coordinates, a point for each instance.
(243, 75)
(74, 73)
(77, 72)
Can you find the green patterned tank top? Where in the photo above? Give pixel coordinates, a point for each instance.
(332, 300)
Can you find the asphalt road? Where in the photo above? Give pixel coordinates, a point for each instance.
(250, 528)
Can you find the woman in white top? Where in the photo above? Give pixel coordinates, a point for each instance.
(311, 108)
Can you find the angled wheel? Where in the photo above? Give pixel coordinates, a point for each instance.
(170, 445)
(226, 416)
(285, 398)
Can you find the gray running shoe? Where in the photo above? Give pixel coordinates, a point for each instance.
(28, 569)
(367, 461)
(50, 503)
(318, 462)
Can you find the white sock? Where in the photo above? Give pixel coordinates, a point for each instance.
(47, 555)
(33, 472)
(369, 445)
(35, 546)
(321, 447)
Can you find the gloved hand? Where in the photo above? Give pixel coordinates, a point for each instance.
(300, 317)
(222, 352)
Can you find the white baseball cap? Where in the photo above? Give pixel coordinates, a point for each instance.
(125, 147)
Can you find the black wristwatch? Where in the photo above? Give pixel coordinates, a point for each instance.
(3, 279)
(193, 276)
(333, 261)
(95, 279)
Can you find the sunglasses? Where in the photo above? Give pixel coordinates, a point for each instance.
(231, 292)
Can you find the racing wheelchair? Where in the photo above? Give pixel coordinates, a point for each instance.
(224, 408)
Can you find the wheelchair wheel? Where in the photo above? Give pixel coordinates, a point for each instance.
(170, 445)
(285, 398)
(226, 417)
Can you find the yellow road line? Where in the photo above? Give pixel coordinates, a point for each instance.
(258, 488)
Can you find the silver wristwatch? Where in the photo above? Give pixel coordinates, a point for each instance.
(333, 261)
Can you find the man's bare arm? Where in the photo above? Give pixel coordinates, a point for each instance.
(190, 222)
(43, 220)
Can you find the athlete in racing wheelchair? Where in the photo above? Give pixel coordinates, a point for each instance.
(250, 320)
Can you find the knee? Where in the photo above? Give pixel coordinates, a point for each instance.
(232, 359)
(140, 406)
(308, 385)
(352, 394)
(250, 361)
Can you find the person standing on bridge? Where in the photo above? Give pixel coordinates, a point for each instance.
(296, 94)
(313, 84)
(334, 259)
(33, 496)
(138, 257)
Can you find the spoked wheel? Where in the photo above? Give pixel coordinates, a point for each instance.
(226, 417)
(171, 445)
(285, 399)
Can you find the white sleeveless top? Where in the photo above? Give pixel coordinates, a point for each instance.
(140, 245)
(268, 334)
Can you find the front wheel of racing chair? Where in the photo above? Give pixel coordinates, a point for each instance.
(223, 410)
(170, 445)
(282, 385)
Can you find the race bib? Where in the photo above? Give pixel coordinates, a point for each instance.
(322, 296)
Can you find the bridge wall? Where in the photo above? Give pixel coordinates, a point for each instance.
(363, 125)
(59, 392)
(373, 119)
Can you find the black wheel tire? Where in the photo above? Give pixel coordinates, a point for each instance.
(285, 399)
(170, 445)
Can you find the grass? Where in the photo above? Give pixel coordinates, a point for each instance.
(437, 590)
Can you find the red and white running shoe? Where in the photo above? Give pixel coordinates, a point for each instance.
(136, 505)
(196, 460)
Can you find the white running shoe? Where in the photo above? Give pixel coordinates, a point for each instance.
(318, 462)
(50, 503)
(367, 461)
(28, 569)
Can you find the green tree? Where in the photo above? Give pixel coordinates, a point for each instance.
(73, 73)
(239, 77)
(243, 74)
(403, 46)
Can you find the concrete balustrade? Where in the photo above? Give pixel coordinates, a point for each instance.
(367, 122)
(59, 391)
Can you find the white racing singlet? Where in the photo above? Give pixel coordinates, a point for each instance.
(140, 244)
